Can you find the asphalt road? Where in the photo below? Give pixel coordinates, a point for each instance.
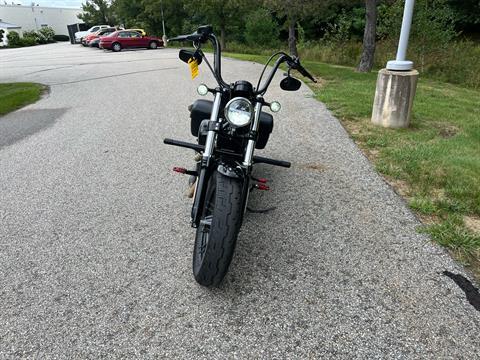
(95, 243)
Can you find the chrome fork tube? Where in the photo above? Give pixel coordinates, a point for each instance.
(211, 135)
(247, 161)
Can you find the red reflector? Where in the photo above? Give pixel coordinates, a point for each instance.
(262, 187)
(262, 180)
(180, 170)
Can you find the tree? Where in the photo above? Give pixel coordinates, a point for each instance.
(97, 12)
(223, 14)
(294, 11)
(368, 52)
(261, 29)
(467, 13)
(127, 12)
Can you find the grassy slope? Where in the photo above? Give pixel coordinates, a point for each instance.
(15, 95)
(435, 164)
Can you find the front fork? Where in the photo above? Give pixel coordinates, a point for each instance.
(248, 158)
(206, 163)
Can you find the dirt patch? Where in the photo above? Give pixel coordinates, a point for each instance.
(319, 84)
(356, 127)
(428, 219)
(438, 194)
(372, 154)
(447, 131)
(313, 167)
(472, 223)
(401, 187)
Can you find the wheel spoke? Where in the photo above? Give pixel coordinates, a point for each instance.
(206, 222)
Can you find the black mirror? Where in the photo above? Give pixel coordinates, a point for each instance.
(290, 84)
(186, 55)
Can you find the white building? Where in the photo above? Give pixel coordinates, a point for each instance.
(5, 28)
(36, 17)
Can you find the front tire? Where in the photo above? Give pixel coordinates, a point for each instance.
(218, 229)
(153, 45)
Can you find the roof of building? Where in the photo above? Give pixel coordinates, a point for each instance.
(41, 7)
(6, 25)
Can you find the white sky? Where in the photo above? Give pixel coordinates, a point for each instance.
(57, 3)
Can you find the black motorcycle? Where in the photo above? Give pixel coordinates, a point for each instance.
(228, 130)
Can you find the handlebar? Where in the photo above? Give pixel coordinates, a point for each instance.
(305, 73)
(198, 38)
(201, 36)
(205, 33)
(292, 62)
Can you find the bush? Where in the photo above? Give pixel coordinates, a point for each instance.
(43, 36)
(28, 41)
(241, 48)
(47, 33)
(14, 39)
(261, 29)
(61, 38)
(31, 37)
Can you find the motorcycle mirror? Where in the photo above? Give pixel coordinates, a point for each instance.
(186, 55)
(290, 84)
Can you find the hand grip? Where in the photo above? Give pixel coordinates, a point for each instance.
(305, 73)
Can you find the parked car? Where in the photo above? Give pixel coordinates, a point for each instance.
(141, 31)
(95, 43)
(80, 34)
(125, 39)
(86, 40)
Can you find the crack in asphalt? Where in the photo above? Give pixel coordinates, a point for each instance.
(86, 63)
(471, 292)
(112, 76)
(47, 59)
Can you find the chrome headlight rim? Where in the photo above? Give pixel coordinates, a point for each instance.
(250, 109)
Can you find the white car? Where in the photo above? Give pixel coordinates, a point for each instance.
(80, 34)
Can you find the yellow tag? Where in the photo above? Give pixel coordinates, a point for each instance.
(193, 67)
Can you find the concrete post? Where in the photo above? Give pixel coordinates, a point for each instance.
(394, 98)
(396, 85)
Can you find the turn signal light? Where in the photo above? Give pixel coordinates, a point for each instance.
(262, 187)
(180, 170)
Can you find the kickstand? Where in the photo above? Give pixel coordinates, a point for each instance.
(263, 211)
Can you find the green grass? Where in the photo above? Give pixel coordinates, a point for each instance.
(435, 164)
(15, 95)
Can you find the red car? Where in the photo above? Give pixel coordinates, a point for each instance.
(103, 32)
(125, 39)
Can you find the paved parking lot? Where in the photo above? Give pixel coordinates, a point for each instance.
(95, 244)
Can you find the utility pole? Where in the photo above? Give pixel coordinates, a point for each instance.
(164, 36)
(401, 63)
(397, 84)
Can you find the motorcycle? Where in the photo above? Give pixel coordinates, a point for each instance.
(228, 130)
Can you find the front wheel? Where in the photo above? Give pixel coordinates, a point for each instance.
(218, 229)
(116, 47)
(153, 45)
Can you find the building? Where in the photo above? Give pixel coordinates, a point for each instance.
(36, 17)
(4, 29)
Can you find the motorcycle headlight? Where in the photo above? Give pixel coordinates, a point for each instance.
(239, 112)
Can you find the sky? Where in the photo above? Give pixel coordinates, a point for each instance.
(57, 3)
